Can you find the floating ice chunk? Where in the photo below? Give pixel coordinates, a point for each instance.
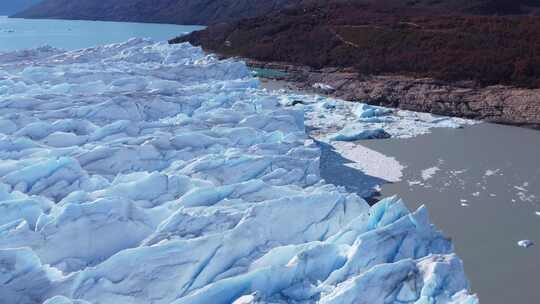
(490, 172)
(447, 122)
(354, 133)
(370, 161)
(363, 110)
(376, 119)
(429, 173)
(525, 243)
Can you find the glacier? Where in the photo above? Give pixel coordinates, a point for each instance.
(142, 172)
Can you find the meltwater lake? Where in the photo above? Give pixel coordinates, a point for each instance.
(16, 34)
(481, 185)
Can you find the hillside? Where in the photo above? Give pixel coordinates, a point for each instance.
(212, 11)
(416, 42)
(158, 11)
(421, 58)
(11, 7)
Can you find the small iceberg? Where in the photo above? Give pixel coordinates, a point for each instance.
(353, 134)
(364, 110)
(525, 243)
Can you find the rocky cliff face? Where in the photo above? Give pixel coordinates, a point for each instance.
(159, 11)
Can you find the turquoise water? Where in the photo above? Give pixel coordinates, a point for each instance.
(16, 34)
(269, 73)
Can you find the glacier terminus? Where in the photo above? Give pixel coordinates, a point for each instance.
(148, 173)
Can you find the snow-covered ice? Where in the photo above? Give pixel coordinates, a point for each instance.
(143, 172)
(370, 162)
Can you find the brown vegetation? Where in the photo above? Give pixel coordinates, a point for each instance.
(416, 42)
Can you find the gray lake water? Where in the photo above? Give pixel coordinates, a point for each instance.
(16, 34)
(482, 188)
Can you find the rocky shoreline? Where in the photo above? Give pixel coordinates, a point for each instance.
(496, 104)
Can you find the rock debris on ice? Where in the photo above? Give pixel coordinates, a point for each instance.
(144, 173)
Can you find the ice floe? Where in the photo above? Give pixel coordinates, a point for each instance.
(490, 172)
(525, 243)
(143, 172)
(429, 173)
(335, 122)
(370, 162)
(326, 117)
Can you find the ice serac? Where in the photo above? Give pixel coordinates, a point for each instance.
(143, 173)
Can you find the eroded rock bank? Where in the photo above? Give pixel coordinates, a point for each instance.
(498, 104)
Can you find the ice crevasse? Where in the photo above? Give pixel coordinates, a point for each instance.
(143, 172)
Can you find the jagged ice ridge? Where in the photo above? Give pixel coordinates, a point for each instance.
(145, 173)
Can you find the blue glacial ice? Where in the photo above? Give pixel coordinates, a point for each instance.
(354, 133)
(142, 173)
